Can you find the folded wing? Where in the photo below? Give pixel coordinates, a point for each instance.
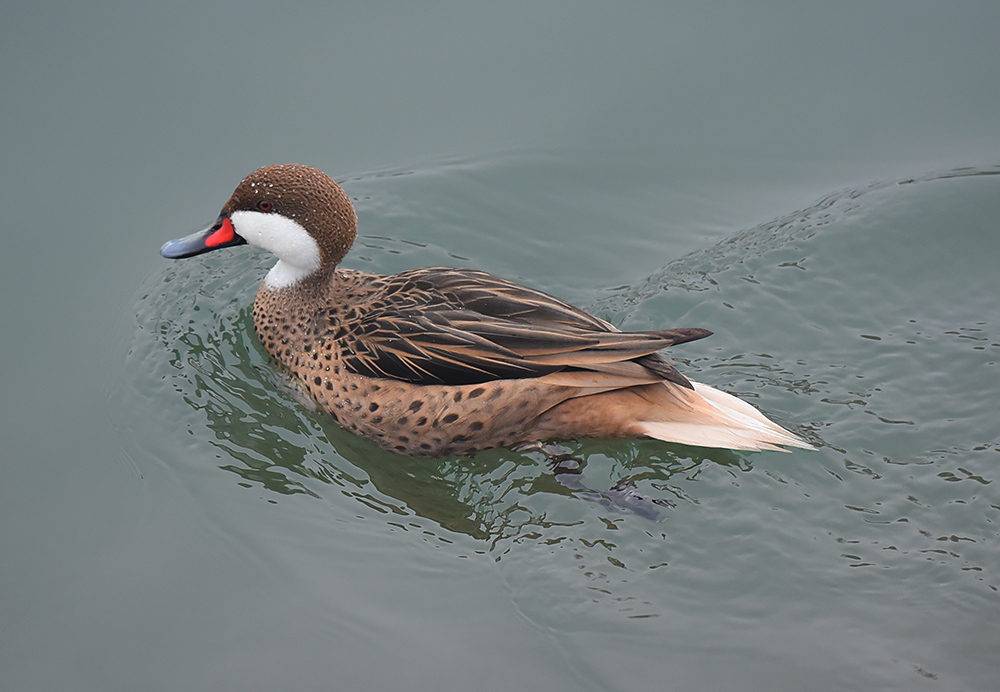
(457, 326)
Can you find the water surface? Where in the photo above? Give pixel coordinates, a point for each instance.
(817, 185)
(861, 322)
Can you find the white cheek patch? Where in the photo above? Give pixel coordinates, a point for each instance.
(298, 254)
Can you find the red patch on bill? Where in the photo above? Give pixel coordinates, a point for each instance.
(223, 235)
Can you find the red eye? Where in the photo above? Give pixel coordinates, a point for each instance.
(264, 205)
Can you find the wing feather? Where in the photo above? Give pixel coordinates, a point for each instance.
(460, 326)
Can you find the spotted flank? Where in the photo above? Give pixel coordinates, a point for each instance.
(439, 361)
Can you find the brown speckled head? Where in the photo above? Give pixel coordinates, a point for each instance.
(306, 195)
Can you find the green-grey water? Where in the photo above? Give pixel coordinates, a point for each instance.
(819, 188)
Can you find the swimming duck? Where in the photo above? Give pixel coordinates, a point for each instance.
(438, 361)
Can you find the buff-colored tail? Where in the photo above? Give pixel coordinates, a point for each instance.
(713, 418)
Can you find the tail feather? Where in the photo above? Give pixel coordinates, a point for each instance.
(715, 419)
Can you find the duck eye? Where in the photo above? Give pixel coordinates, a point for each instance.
(264, 205)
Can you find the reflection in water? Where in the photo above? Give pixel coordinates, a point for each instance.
(270, 436)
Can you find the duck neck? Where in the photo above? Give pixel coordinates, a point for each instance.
(290, 306)
(285, 275)
(287, 284)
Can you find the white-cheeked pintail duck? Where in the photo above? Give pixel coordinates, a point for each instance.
(434, 362)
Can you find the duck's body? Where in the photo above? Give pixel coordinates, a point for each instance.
(432, 362)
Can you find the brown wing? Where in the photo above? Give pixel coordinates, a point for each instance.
(461, 326)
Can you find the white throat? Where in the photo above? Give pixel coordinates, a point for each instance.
(297, 251)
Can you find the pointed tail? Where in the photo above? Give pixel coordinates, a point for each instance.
(712, 418)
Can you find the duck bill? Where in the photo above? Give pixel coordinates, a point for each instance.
(221, 234)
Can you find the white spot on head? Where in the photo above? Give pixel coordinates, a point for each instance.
(298, 254)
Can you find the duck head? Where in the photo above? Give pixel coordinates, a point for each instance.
(297, 212)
